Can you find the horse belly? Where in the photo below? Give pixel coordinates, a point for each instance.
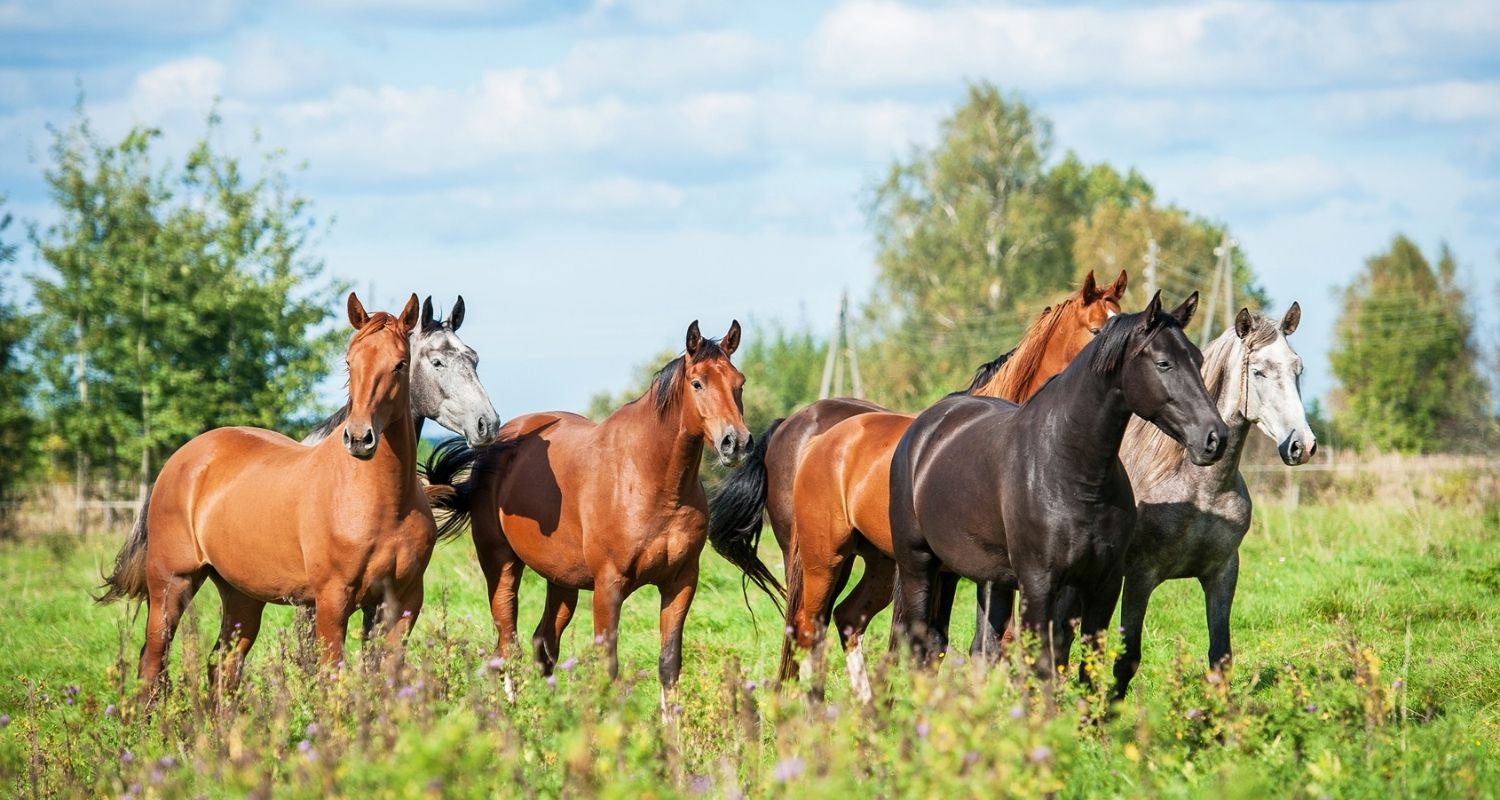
(556, 554)
(256, 550)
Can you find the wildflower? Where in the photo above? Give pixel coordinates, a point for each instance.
(313, 729)
(495, 664)
(1194, 713)
(749, 686)
(109, 710)
(1215, 678)
(788, 769)
(923, 729)
(831, 713)
(306, 749)
(971, 757)
(167, 762)
(435, 786)
(127, 757)
(70, 692)
(1041, 753)
(406, 614)
(1312, 708)
(598, 638)
(4, 720)
(790, 630)
(1016, 712)
(568, 664)
(700, 784)
(407, 692)
(1398, 684)
(552, 681)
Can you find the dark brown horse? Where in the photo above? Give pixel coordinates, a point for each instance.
(338, 525)
(606, 507)
(1034, 497)
(842, 505)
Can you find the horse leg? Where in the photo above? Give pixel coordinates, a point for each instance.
(1098, 608)
(822, 569)
(555, 618)
(502, 575)
(403, 611)
(334, 606)
(869, 597)
(609, 594)
(676, 598)
(1133, 603)
(237, 632)
(1218, 596)
(986, 643)
(1038, 597)
(167, 597)
(942, 611)
(918, 579)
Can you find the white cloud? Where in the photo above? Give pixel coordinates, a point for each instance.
(709, 59)
(870, 44)
(1440, 103)
(189, 84)
(265, 66)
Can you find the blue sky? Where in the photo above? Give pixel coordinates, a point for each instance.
(594, 175)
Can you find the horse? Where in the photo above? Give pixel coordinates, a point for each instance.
(445, 384)
(763, 486)
(1034, 496)
(607, 507)
(841, 493)
(1190, 519)
(339, 525)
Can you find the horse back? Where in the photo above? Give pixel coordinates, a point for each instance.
(789, 446)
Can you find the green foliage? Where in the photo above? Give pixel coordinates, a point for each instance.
(184, 299)
(783, 372)
(1405, 356)
(1364, 668)
(602, 404)
(18, 427)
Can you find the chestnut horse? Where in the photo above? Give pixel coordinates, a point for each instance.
(269, 520)
(767, 480)
(607, 507)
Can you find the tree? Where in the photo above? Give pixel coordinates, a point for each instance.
(176, 301)
(1115, 236)
(1405, 356)
(18, 429)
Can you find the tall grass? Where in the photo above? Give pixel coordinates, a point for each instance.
(1368, 664)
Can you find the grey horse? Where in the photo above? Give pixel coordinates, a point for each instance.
(445, 383)
(1190, 519)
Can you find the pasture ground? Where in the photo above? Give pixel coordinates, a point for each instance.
(1365, 629)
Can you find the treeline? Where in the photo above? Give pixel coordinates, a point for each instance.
(976, 234)
(172, 298)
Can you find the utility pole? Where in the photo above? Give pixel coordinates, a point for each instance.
(1151, 258)
(80, 458)
(1222, 283)
(840, 347)
(1228, 269)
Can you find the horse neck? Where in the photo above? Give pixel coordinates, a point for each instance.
(670, 439)
(1034, 362)
(1231, 407)
(395, 459)
(1089, 409)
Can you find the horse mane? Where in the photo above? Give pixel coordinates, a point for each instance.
(378, 321)
(664, 384)
(1157, 455)
(1007, 376)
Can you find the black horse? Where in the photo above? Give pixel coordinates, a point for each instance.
(1034, 497)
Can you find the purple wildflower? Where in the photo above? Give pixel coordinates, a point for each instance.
(923, 729)
(304, 747)
(568, 664)
(167, 762)
(109, 710)
(1194, 713)
(700, 784)
(1016, 712)
(1312, 708)
(1398, 684)
(1041, 753)
(790, 768)
(495, 664)
(749, 686)
(552, 681)
(4, 720)
(127, 757)
(435, 786)
(313, 729)
(407, 692)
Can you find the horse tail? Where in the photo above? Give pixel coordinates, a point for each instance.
(128, 581)
(898, 616)
(451, 478)
(788, 669)
(735, 519)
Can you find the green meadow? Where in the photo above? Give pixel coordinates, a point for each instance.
(1367, 665)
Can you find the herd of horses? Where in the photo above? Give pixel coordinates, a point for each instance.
(1098, 457)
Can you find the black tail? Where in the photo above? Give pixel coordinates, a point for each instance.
(450, 475)
(735, 518)
(128, 581)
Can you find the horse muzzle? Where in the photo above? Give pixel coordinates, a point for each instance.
(362, 445)
(732, 447)
(1297, 449)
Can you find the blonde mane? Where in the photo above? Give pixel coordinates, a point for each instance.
(1151, 456)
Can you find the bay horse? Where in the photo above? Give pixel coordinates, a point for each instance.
(1190, 519)
(607, 507)
(764, 485)
(445, 383)
(270, 520)
(1034, 497)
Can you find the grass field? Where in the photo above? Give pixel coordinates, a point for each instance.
(1368, 665)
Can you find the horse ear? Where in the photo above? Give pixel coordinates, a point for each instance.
(1242, 323)
(357, 315)
(1117, 289)
(731, 340)
(1184, 312)
(427, 313)
(456, 316)
(1292, 318)
(694, 340)
(1091, 291)
(408, 316)
(1148, 317)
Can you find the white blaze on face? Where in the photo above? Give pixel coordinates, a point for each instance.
(1109, 314)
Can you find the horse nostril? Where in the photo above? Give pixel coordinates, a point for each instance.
(749, 441)
(483, 426)
(369, 438)
(347, 440)
(726, 444)
(1212, 445)
(1312, 449)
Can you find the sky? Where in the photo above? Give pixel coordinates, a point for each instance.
(593, 176)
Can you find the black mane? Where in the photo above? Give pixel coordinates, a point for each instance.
(1109, 346)
(986, 372)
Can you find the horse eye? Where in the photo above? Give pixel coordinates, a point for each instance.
(1257, 373)
(698, 385)
(400, 365)
(1163, 365)
(1094, 331)
(437, 363)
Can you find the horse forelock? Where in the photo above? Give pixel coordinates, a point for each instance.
(378, 321)
(667, 382)
(1114, 341)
